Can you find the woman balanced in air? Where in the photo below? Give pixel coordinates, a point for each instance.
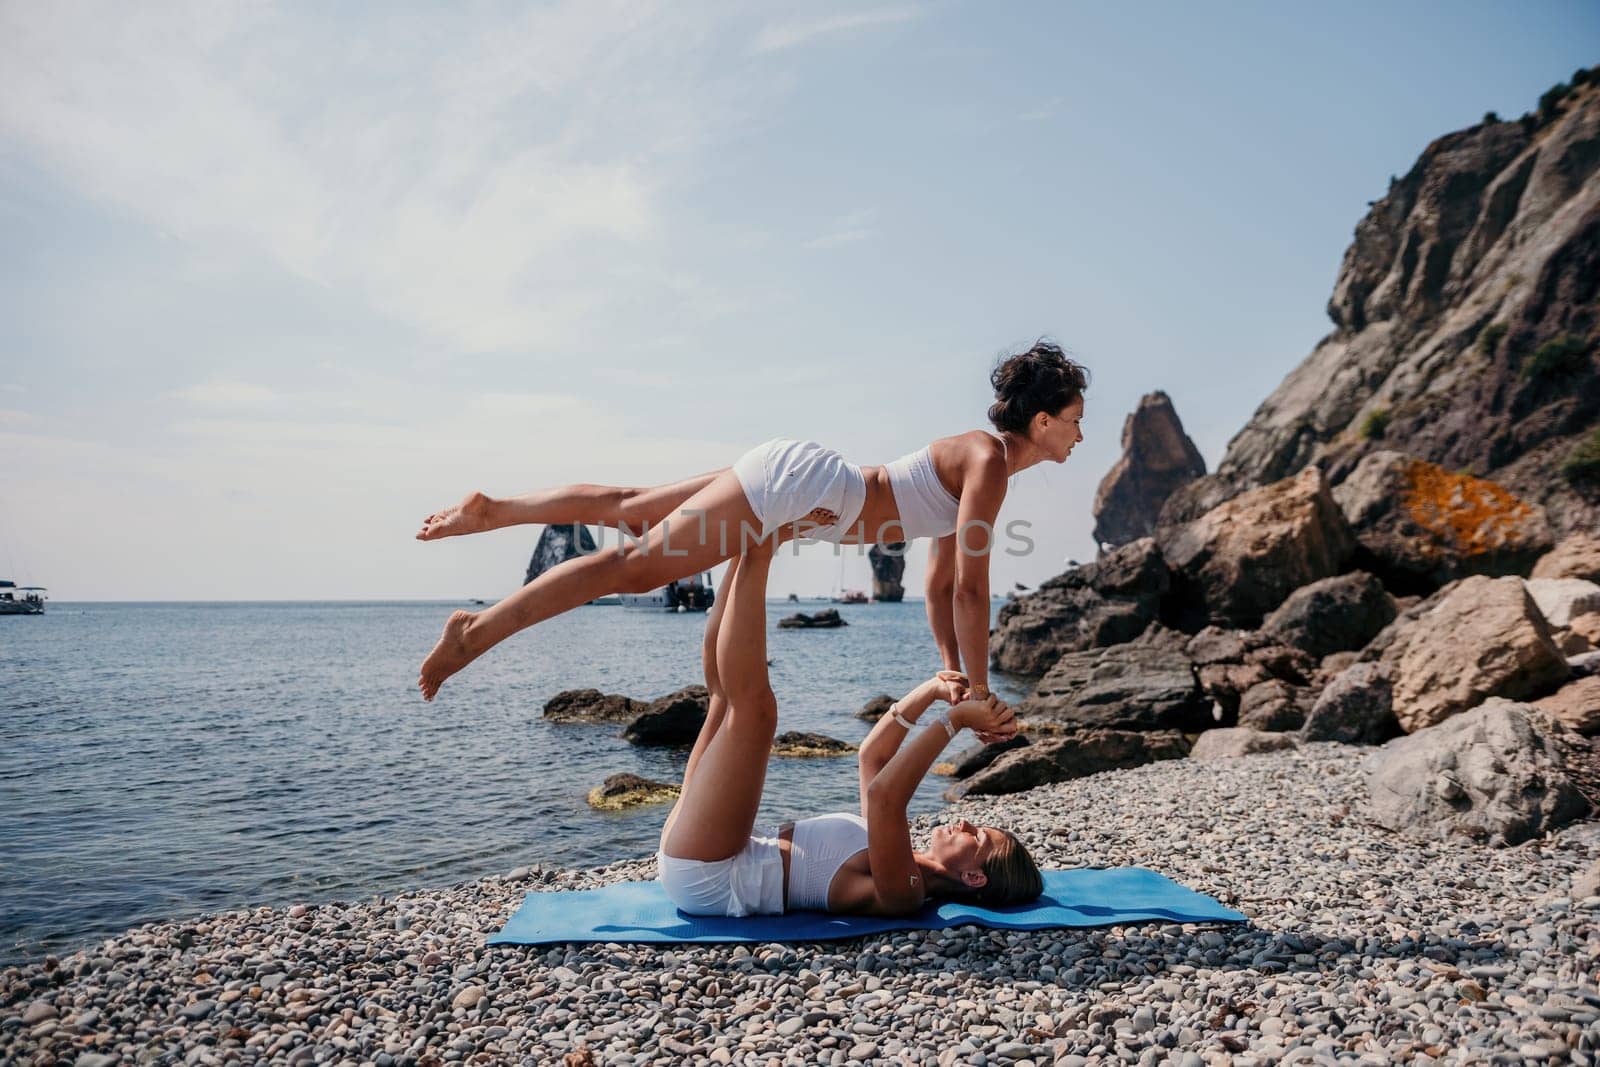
(950, 490)
(714, 861)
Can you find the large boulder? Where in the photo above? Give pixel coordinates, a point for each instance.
(1229, 743)
(1576, 705)
(976, 759)
(1485, 638)
(1135, 687)
(1333, 615)
(1490, 774)
(1357, 707)
(1068, 756)
(1238, 561)
(1561, 600)
(591, 705)
(1274, 706)
(1577, 556)
(1107, 602)
(672, 721)
(1157, 458)
(1420, 525)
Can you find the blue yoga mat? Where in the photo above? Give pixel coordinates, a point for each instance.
(641, 912)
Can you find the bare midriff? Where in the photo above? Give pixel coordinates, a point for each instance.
(880, 515)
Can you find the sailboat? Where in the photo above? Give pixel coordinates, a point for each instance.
(841, 595)
(21, 599)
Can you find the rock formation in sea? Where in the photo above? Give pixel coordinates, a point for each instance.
(557, 544)
(1157, 459)
(888, 567)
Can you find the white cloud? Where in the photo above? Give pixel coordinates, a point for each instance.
(485, 184)
(229, 395)
(794, 34)
(1043, 110)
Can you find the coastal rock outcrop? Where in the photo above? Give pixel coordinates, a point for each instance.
(888, 567)
(1157, 458)
(1107, 602)
(826, 619)
(1575, 705)
(556, 545)
(1465, 321)
(876, 708)
(1232, 742)
(1484, 638)
(622, 791)
(672, 721)
(1332, 615)
(1491, 774)
(1274, 706)
(1238, 561)
(1563, 600)
(1068, 756)
(976, 759)
(1419, 526)
(1133, 687)
(1357, 707)
(1577, 556)
(591, 705)
(797, 744)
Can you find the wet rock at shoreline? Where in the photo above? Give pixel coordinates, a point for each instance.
(1127, 686)
(1232, 742)
(1068, 756)
(671, 721)
(591, 705)
(826, 619)
(876, 708)
(1336, 614)
(1103, 603)
(976, 759)
(623, 791)
(795, 743)
(1420, 525)
(1240, 560)
(1490, 774)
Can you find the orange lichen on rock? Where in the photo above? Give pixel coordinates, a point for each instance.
(1475, 516)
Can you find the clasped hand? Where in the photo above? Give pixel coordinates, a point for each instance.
(991, 719)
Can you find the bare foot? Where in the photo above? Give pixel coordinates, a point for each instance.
(448, 656)
(469, 516)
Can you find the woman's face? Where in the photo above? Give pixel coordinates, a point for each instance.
(1057, 435)
(962, 848)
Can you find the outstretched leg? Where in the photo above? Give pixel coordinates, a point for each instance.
(594, 505)
(717, 525)
(717, 809)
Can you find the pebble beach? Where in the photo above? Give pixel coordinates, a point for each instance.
(1361, 948)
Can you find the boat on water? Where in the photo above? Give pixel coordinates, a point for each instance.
(21, 599)
(694, 593)
(851, 596)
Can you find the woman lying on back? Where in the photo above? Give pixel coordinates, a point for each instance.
(715, 861)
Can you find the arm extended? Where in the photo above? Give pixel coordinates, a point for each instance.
(940, 588)
(981, 496)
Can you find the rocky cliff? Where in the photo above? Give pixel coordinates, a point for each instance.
(557, 544)
(1158, 458)
(1465, 325)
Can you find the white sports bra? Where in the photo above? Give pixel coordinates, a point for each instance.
(817, 849)
(927, 509)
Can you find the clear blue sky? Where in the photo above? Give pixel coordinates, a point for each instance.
(281, 280)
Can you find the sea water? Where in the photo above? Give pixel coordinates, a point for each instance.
(163, 760)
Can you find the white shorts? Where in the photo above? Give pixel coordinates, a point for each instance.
(785, 480)
(750, 883)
